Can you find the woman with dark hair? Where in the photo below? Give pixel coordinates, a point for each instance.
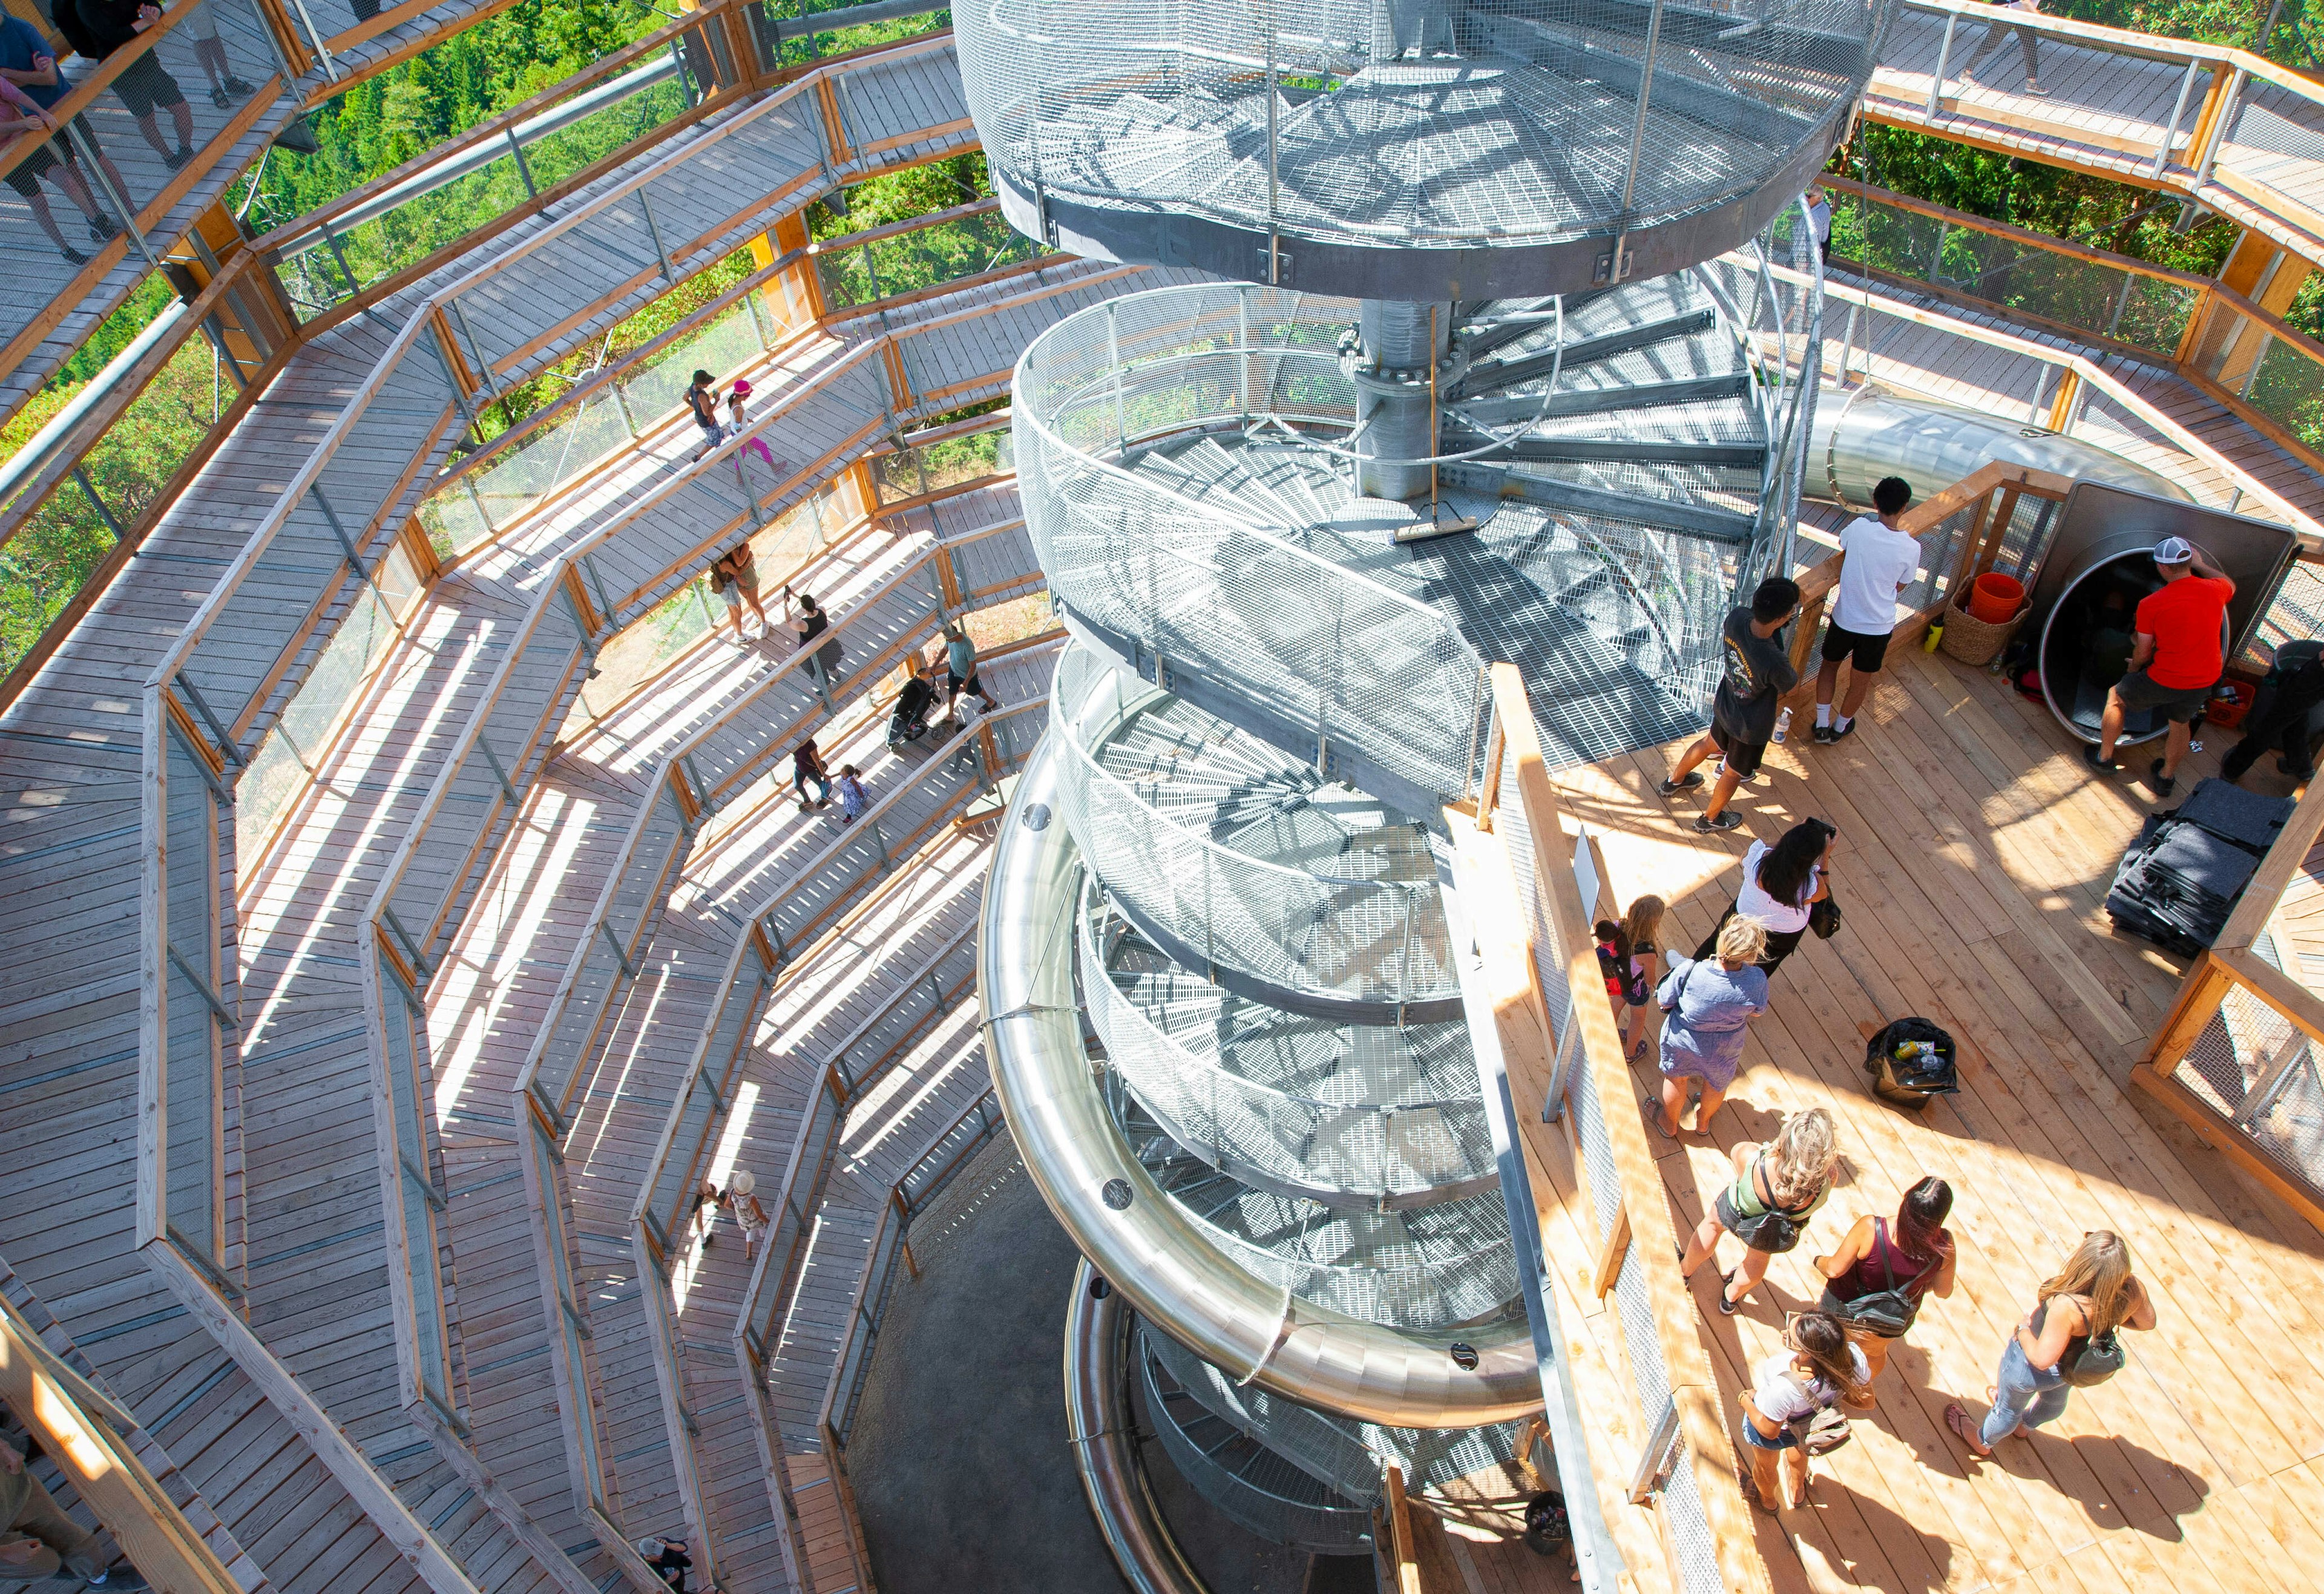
(1781, 886)
(1816, 1369)
(1879, 1273)
(702, 400)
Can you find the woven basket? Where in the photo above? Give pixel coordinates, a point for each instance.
(1974, 641)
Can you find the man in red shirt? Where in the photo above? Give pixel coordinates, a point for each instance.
(2177, 661)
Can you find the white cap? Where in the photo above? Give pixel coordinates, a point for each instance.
(2173, 550)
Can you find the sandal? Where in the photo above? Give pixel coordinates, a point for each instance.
(1957, 1419)
(1654, 1110)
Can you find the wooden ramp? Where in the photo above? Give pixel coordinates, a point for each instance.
(1974, 854)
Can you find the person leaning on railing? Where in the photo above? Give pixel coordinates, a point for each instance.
(30, 84)
(40, 1545)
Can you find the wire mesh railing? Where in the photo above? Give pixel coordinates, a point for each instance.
(1283, 127)
(1337, 1152)
(1348, 659)
(1372, 940)
(2237, 1054)
(1686, 1467)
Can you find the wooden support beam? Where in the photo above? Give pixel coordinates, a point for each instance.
(1404, 1558)
(329, 1443)
(75, 1425)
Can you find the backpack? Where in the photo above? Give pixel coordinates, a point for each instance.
(1912, 1064)
(1887, 1312)
(1775, 1229)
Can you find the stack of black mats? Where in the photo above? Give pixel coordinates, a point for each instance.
(2181, 878)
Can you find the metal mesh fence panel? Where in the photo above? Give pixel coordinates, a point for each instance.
(1347, 1153)
(2257, 1070)
(1682, 1503)
(1376, 940)
(1505, 123)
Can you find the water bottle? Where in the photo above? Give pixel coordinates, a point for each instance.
(1783, 725)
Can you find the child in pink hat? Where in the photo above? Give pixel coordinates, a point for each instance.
(734, 397)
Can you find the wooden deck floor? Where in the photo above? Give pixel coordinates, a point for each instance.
(1975, 850)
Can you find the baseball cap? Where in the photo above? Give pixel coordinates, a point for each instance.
(2173, 550)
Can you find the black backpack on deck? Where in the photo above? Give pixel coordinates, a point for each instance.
(1912, 1064)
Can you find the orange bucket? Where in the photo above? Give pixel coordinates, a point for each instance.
(1994, 598)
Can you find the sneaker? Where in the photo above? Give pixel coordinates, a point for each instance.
(176, 162)
(1704, 825)
(2090, 757)
(1727, 1308)
(72, 255)
(237, 87)
(1842, 732)
(1823, 736)
(120, 1576)
(221, 98)
(2164, 785)
(102, 229)
(2036, 91)
(1692, 781)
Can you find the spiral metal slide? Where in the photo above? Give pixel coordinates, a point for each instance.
(1499, 373)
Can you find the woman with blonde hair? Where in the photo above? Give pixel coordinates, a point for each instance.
(1708, 1002)
(2069, 1339)
(1777, 1187)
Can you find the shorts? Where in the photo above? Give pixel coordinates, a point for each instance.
(1742, 757)
(1754, 1440)
(1865, 649)
(974, 684)
(2180, 704)
(733, 596)
(146, 86)
(26, 176)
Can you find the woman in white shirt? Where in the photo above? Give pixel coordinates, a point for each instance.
(1781, 885)
(1817, 1370)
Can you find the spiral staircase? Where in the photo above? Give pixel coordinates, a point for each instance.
(1499, 375)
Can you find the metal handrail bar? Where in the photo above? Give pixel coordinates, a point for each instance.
(2092, 374)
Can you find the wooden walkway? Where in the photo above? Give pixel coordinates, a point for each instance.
(1975, 854)
(2107, 111)
(69, 860)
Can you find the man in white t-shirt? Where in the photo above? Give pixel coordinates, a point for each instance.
(1878, 561)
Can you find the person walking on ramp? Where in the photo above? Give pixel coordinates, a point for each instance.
(1758, 671)
(1878, 560)
(2177, 661)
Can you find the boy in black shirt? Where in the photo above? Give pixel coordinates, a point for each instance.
(1758, 671)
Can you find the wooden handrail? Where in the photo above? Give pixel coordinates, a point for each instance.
(16, 147)
(1645, 1201)
(86, 1434)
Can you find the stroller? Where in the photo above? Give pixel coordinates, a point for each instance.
(1911, 1063)
(909, 722)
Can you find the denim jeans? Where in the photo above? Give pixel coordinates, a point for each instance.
(2022, 1395)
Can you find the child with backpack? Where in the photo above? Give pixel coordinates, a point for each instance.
(1879, 1273)
(2069, 1340)
(1784, 1414)
(1627, 957)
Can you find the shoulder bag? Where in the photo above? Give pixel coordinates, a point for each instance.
(2100, 1358)
(1775, 1229)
